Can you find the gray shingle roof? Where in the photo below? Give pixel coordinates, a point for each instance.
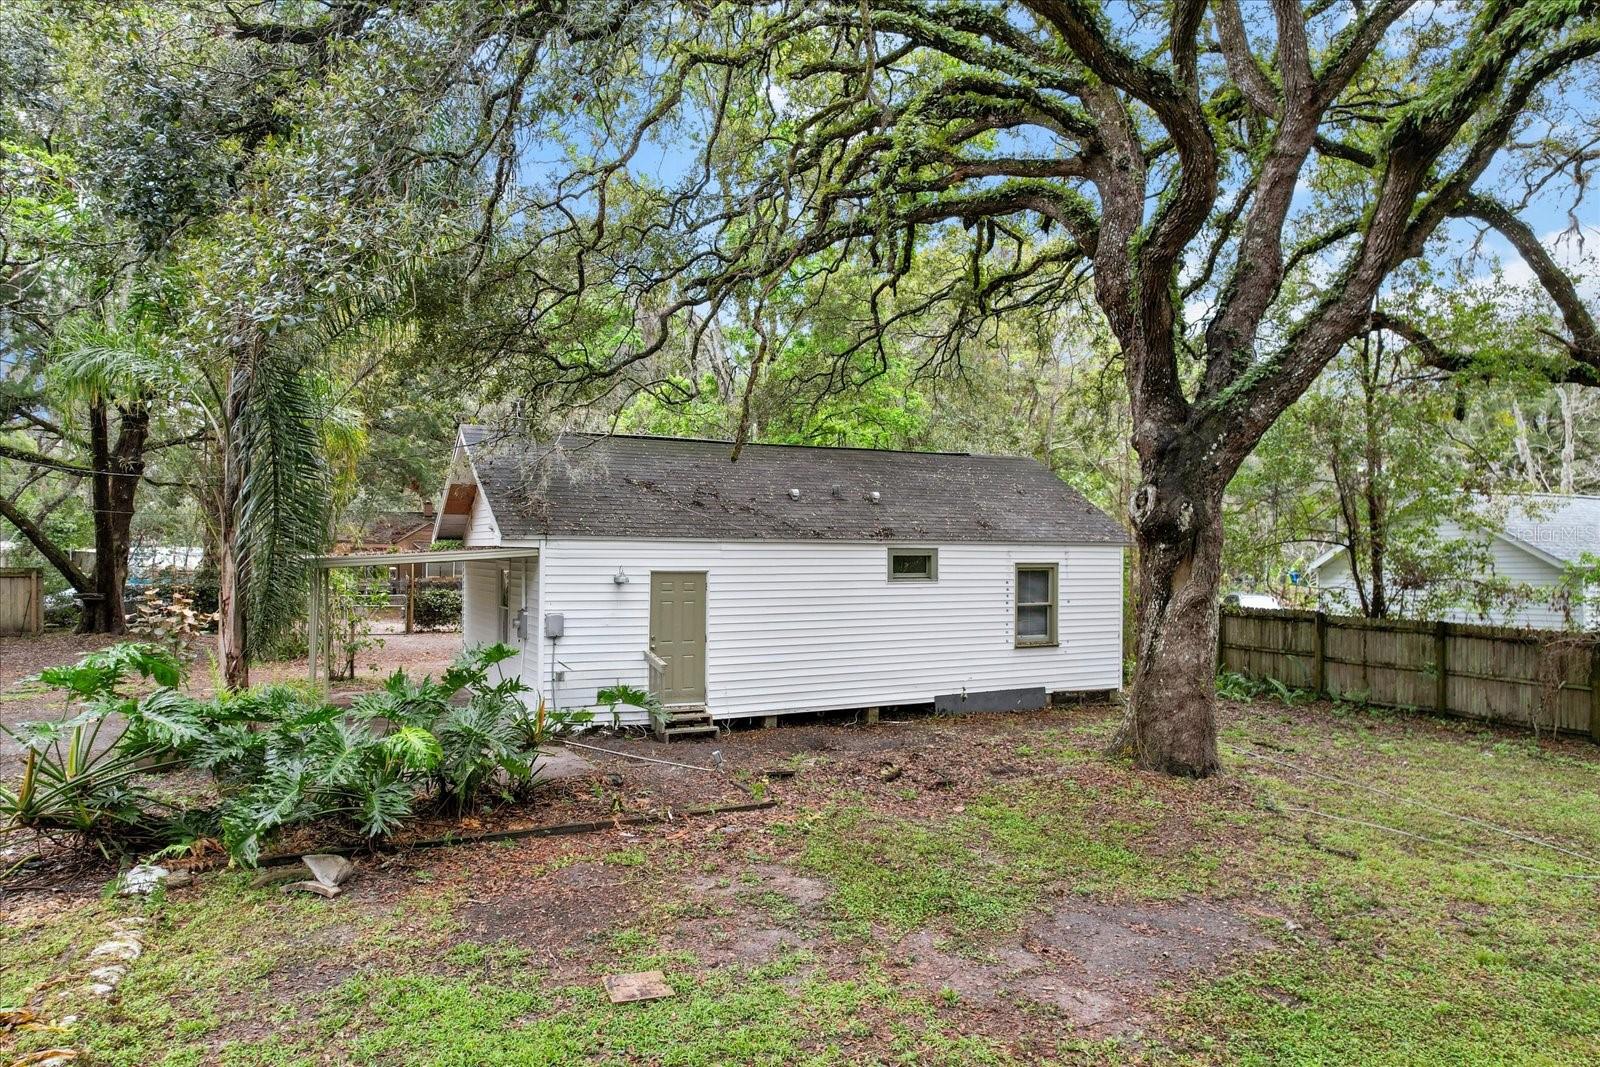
(588, 485)
(1566, 527)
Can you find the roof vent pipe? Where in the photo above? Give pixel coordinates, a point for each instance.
(794, 494)
(874, 496)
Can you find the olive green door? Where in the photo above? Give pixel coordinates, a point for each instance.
(678, 633)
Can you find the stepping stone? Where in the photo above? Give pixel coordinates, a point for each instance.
(142, 880)
(644, 985)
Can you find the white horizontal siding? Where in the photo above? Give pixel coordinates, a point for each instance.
(480, 610)
(480, 601)
(809, 626)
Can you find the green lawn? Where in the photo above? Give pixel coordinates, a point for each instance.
(790, 938)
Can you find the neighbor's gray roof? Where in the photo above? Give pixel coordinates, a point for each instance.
(1565, 527)
(661, 487)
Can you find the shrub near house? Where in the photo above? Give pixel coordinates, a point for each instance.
(437, 607)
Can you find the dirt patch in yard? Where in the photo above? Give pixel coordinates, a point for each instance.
(754, 913)
(562, 915)
(1097, 965)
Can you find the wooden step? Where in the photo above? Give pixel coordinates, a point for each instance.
(684, 720)
(690, 731)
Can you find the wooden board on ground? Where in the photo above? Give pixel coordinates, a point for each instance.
(645, 985)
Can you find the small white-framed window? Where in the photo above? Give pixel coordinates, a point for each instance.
(1037, 589)
(913, 564)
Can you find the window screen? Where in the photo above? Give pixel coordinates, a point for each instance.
(1036, 604)
(913, 564)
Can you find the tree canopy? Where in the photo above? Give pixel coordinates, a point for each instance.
(1127, 238)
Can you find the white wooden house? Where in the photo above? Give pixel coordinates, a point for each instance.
(1538, 538)
(794, 579)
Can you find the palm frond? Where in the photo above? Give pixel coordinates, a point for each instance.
(284, 494)
(92, 361)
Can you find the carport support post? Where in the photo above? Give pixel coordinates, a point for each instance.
(313, 621)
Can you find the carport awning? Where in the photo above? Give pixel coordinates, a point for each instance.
(321, 565)
(395, 559)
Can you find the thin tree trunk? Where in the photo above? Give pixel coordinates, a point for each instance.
(1352, 529)
(1569, 445)
(103, 610)
(231, 622)
(1170, 725)
(1530, 466)
(233, 645)
(114, 488)
(1377, 513)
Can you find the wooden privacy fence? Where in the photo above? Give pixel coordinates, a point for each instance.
(1545, 679)
(21, 600)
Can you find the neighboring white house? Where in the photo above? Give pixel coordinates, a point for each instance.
(1540, 536)
(794, 579)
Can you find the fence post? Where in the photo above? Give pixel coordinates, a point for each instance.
(1319, 663)
(1594, 691)
(1441, 683)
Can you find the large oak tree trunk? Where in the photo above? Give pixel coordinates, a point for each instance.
(1170, 724)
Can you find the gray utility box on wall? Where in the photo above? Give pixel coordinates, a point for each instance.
(555, 625)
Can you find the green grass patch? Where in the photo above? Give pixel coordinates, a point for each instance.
(727, 1016)
(983, 867)
(1428, 954)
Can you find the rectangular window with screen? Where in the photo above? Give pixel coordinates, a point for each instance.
(913, 565)
(1036, 604)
